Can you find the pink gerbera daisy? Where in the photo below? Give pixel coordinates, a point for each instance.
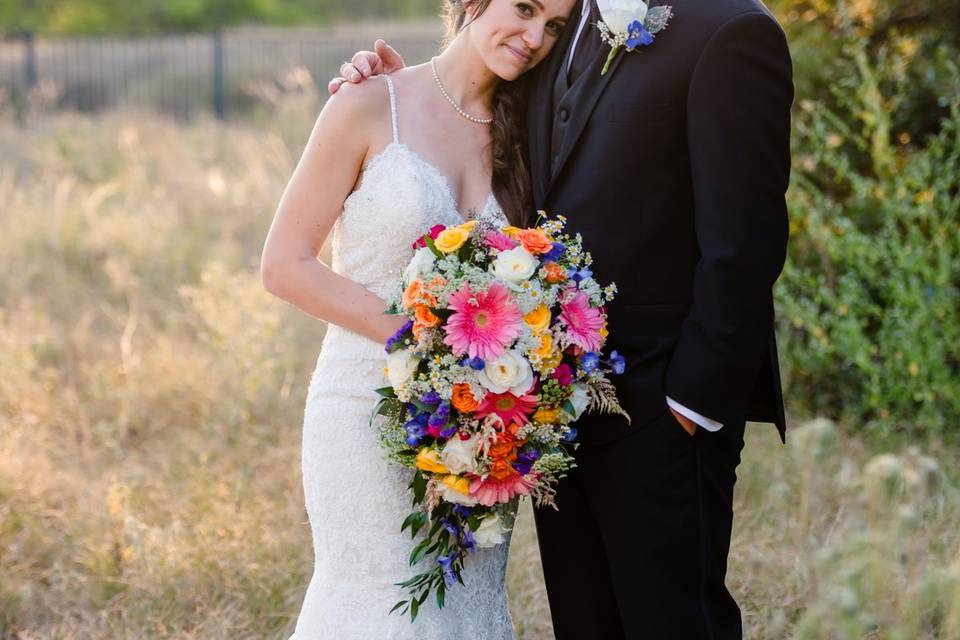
(483, 323)
(490, 491)
(583, 322)
(509, 407)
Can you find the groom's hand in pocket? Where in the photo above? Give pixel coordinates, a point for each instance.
(688, 425)
(363, 64)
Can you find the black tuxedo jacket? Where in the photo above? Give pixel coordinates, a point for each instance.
(673, 166)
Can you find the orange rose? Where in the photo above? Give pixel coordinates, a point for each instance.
(555, 273)
(462, 399)
(534, 240)
(501, 470)
(504, 448)
(422, 315)
(415, 293)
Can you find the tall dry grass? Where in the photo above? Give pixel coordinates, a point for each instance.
(151, 399)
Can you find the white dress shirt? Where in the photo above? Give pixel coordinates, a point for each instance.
(690, 414)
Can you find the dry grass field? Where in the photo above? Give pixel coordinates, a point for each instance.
(151, 398)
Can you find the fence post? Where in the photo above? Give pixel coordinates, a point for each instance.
(29, 60)
(219, 97)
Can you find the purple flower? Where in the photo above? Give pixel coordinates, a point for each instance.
(571, 435)
(528, 455)
(395, 338)
(468, 542)
(563, 375)
(523, 468)
(449, 431)
(450, 527)
(412, 439)
(430, 397)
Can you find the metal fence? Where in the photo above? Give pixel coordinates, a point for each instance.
(183, 74)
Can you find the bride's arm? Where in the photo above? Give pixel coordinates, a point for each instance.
(313, 199)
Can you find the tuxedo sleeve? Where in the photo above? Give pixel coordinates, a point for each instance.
(738, 132)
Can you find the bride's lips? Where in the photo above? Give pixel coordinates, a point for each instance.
(518, 54)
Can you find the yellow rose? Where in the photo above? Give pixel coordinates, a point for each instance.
(468, 225)
(511, 232)
(451, 239)
(603, 330)
(429, 460)
(546, 416)
(539, 319)
(552, 362)
(545, 348)
(462, 485)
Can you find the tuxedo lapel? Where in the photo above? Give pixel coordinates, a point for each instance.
(540, 110)
(587, 100)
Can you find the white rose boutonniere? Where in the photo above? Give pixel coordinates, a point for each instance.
(630, 24)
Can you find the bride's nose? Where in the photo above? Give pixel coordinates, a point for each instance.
(533, 37)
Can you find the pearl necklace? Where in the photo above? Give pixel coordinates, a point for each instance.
(453, 103)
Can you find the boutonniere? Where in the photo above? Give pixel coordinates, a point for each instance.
(630, 24)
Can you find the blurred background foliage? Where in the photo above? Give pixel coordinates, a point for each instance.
(869, 302)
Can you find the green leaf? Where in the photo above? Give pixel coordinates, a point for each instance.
(419, 551)
(432, 246)
(397, 606)
(441, 593)
(414, 609)
(419, 485)
(386, 392)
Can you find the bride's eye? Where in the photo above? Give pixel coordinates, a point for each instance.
(525, 9)
(554, 28)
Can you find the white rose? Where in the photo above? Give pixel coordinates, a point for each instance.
(490, 532)
(619, 14)
(580, 399)
(401, 365)
(514, 265)
(460, 455)
(453, 496)
(510, 372)
(421, 263)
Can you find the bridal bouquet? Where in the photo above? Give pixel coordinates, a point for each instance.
(500, 355)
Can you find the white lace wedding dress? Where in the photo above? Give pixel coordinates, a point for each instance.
(356, 500)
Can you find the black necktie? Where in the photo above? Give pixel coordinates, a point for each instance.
(587, 46)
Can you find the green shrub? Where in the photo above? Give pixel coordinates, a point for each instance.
(869, 302)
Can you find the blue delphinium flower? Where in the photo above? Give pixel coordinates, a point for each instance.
(589, 361)
(430, 397)
(617, 362)
(462, 510)
(571, 435)
(638, 36)
(468, 542)
(473, 363)
(449, 431)
(555, 253)
(450, 527)
(523, 468)
(449, 576)
(577, 276)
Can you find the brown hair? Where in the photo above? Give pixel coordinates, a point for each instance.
(508, 135)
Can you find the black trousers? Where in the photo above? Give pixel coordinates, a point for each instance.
(638, 548)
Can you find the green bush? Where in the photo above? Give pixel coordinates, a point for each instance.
(869, 302)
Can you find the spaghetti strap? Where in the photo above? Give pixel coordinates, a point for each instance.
(393, 108)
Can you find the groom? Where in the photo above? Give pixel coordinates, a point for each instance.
(673, 165)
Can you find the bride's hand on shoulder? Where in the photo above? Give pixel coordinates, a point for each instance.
(363, 64)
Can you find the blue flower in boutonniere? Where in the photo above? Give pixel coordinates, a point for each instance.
(630, 24)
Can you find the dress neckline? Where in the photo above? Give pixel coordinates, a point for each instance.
(447, 184)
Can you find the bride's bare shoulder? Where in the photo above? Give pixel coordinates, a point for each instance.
(362, 104)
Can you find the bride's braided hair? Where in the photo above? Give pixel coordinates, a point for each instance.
(511, 175)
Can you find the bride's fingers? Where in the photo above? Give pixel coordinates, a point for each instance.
(361, 61)
(349, 72)
(334, 84)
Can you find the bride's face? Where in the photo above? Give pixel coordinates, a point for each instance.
(512, 36)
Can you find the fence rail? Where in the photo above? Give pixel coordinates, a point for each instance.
(184, 74)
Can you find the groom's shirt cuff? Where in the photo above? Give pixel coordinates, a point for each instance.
(706, 423)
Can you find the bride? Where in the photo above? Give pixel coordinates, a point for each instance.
(431, 144)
